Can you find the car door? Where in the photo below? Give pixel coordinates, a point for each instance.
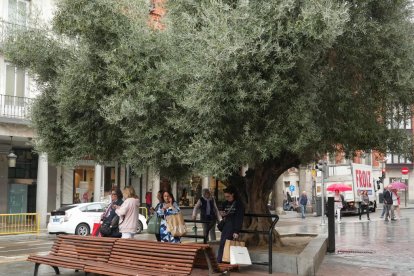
(93, 213)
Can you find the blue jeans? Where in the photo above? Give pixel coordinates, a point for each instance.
(303, 209)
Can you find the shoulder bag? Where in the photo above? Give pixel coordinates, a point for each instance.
(154, 224)
(220, 225)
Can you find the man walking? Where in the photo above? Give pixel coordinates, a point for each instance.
(209, 212)
(388, 204)
(303, 201)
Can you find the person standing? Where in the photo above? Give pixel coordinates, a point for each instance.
(110, 217)
(338, 205)
(128, 213)
(396, 203)
(148, 199)
(303, 201)
(388, 204)
(168, 207)
(364, 205)
(232, 213)
(208, 212)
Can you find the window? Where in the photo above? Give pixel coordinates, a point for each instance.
(94, 208)
(17, 11)
(26, 164)
(15, 85)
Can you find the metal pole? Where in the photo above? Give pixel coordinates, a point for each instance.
(331, 225)
(323, 195)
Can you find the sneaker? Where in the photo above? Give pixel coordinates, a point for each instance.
(369, 219)
(393, 219)
(381, 216)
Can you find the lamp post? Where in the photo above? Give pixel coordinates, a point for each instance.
(11, 157)
(323, 167)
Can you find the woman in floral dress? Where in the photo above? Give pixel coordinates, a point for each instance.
(168, 208)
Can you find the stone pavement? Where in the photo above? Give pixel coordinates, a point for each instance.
(363, 247)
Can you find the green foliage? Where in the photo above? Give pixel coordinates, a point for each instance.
(226, 83)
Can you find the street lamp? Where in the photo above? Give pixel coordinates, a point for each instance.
(11, 157)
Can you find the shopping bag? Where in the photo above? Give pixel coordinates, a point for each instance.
(176, 225)
(226, 251)
(154, 225)
(95, 229)
(239, 255)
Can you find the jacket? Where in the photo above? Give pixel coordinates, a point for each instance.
(128, 214)
(387, 197)
(234, 216)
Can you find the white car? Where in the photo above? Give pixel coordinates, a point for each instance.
(79, 219)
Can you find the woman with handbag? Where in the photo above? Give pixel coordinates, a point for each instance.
(168, 208)
(128, 212)
(109, 226)
(231, 224)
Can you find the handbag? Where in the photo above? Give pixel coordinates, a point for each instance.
(239, 255)
(154, 224)
(226, 251)
(105, 229)
(176, 225)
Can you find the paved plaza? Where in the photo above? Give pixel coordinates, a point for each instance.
(363, 247)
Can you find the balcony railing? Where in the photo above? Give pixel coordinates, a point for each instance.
(15, 107)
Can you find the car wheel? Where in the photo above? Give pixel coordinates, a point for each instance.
(139, 227)
(82, 229)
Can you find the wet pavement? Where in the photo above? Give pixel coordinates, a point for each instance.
(363, 247)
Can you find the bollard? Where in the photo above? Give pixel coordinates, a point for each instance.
(331, 225)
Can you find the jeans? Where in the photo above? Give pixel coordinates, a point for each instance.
(213, 229)
(303, 209)
(389, 207)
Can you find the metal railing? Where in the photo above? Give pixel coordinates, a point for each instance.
(23, 223)
(15, 107)
(269, 232)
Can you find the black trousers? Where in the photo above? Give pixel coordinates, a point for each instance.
(361, 210)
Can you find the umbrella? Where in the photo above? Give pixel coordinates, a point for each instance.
(398, 185)
(339, 186)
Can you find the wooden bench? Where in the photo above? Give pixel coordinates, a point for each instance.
(138, 257)
(74, 252)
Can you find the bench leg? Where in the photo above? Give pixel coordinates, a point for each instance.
(56, 270)
(36, 271)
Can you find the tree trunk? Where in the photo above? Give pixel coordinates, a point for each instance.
(255, 189)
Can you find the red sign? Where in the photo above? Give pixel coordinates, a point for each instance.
(405, 170)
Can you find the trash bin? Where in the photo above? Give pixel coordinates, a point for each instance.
(318, 202)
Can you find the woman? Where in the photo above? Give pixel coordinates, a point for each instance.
(233, 212)
(128, 212)
(168, 207)
(110, 217)
(338, 205)
(364, 204)
(154, 211)
(396, 203)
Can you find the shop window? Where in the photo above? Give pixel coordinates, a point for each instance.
(83, 184)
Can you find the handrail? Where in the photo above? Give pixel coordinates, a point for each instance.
(204, 237)
(269, 232)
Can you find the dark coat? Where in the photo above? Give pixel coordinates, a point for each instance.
(234, 216)
(387, 197)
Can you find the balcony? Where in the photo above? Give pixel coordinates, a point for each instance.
(15, 109)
